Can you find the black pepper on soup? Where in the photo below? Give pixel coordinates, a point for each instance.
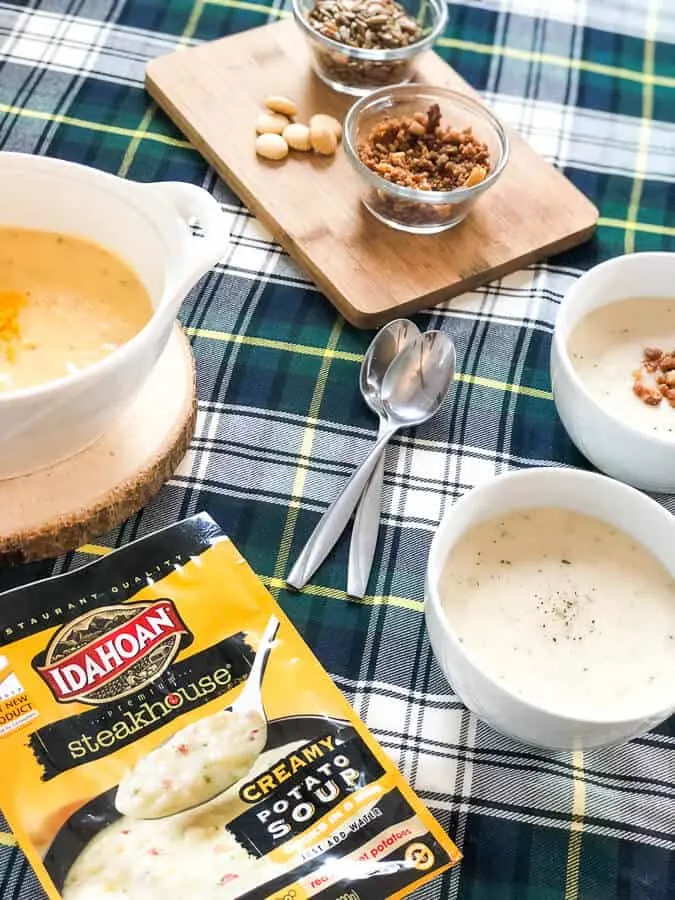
(565, 611)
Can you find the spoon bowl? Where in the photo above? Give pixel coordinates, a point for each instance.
(383, 349)
(204, 758)
(418, 380)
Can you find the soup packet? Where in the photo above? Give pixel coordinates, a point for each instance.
(170, 735)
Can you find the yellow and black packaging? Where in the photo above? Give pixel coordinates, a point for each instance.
(106, 663)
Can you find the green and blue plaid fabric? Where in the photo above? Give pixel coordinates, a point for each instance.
(591, 84)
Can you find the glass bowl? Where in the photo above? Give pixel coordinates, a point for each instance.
(412, 209)
(358, 71)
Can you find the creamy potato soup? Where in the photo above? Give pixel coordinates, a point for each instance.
(565, 611)
(64, 304)
(198, 762)
(607, 351)
(190, 855)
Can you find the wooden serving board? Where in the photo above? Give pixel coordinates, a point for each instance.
(311, 205)
(63, 507)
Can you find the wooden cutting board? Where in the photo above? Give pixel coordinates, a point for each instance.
(311, 205)
(71, 503)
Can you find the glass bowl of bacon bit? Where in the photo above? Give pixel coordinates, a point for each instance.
(423, 155)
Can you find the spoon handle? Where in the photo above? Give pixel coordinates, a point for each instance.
(334, 521)
(365, 530)
(250, 697)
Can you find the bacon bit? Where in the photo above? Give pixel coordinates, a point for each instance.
(660, 365)
(126, 831)
(167, 783)
(153, 851)
(648, 395)
(226, 879)
(183, 748)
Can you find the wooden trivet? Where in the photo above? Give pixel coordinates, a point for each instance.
(63, 507)
(370, 272)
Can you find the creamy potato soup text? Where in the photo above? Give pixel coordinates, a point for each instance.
(565, 611)
(65, 303)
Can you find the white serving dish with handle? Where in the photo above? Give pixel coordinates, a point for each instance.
(647, 461)
(149, 227)
(623, 507)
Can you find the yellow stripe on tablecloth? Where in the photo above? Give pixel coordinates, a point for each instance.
(305, 453)
(645, 227)
(93, 126)
(252, 7)
(506, 386)
(136, 140)
(530, 56)
(642, 156)
(192, 22)
(135, 143)
(318, 590)
(535, 56)
(269, 344)
(7, 839)
(576, 827)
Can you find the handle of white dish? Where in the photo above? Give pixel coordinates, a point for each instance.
(196, 207)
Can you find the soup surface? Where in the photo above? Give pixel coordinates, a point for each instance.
(565, 611)
(606, 349)
(189, 855)
(198, 762)
(64, 304)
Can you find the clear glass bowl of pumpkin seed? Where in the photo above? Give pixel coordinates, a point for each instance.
(358, 46)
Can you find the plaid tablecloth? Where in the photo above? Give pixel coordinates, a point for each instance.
(591, 84)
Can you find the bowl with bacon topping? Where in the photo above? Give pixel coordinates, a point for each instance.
(613, 368)
(424, 155)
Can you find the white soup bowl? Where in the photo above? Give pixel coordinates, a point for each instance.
(623, 507)
(619, 449)
(149, 227)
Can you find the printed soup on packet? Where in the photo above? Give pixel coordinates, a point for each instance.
(170, 735)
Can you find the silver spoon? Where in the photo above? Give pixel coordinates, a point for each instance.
(236, 738)
(413, 390)
(384, 347)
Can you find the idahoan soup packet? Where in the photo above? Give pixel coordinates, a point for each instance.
(166, 733)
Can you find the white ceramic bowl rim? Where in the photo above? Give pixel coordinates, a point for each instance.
(436, 562)
(422, 91)
(395, 53)
(569, 300)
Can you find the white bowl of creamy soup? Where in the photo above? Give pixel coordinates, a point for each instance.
(613, 368)
(93, 270)
(550, 606)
